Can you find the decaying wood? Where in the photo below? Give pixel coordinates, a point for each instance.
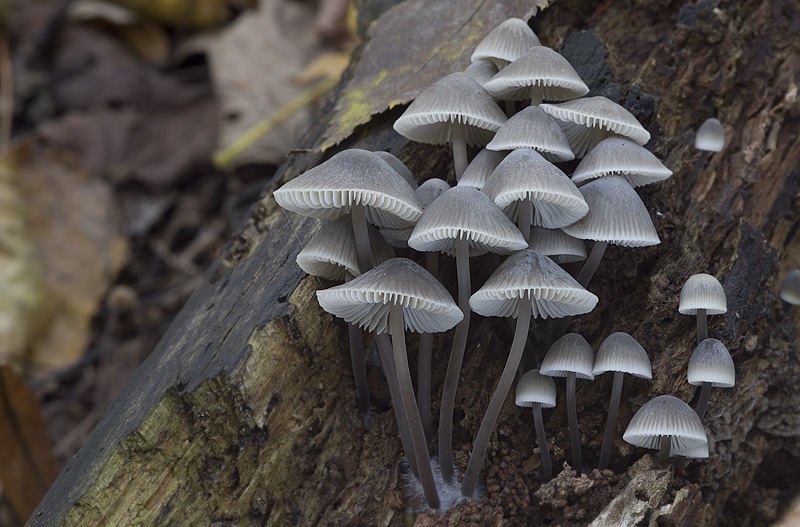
(245, 414)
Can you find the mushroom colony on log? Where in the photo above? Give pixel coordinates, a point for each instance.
(513, 199)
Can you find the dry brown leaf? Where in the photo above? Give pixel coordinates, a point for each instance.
(27, 466)
(188, 14)
(254, 64)
(73, 225)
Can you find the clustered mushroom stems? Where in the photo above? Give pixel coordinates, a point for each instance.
(611, 423)
(481, 442)
(420, 444)
(538, 423)
(359, 362)
(459, 139)
(424, 360)
(702, 403)
(454, 364)
(572, 418)
(702, 325)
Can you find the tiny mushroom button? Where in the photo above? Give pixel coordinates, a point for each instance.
(790, 288)
(668, 425)
(537, 391)
(710, 365)
(506, 43)
(702, 295)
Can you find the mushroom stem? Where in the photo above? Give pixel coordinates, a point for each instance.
(702, 325)
(363, 250)
(592, 263)
(611, 423)
(663, 452)
(424, 361)
(536, 98)
(412, 412)
(538, 422)
(454, 364)
(459, 138)
(572, 417)
(702, 403)
(496, 403)
(524, 219)
(385, 349)
(358, 362)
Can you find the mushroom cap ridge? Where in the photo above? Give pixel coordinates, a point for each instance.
(666, 415)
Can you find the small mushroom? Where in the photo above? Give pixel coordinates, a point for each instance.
(710, 136)
(618, 156)
(480, 168)
(557, 245)
(710, 365)
(571, 357)
(621, 354)
(482, 70)
(702, 295)
(790, 288)
(537, 391)
(533, 128)
(668, 425)
(505, 43)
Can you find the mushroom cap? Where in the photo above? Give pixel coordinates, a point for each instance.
(569, 354)
(352, 177)
(710, 136)
(666, 415)
(557, 245)
(456, 98)
(332, 251)
(480, 168)
(430, 190)
(533, 387)
(700, 452)
(616, 215)
(367, 299)
(526, 175)
(790, 288)
(589, 120)
(621, 352)
(615, 155)
(397, 238)
(711, 362)
(482, 70)
(533, 128)
(506, 43)
(530, 276)
(702, 291)
(465, 213)
(399, 166)
(540, 73)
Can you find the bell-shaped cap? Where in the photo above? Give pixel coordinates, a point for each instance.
(616, 215)
(533, 388)
(526, 175)
(456, 98)
(569, 354)
(790, 288)
(531, 277)
(666, 415)
(397, 238)
(540, 74)
(702, 291)
(399, 166)
(589, 120)
(349, 178)
(710, 136)
(332, 251)
(465, 213)
(482, 71)
(367, 299)
(699, 452)
(533, 128)
(711, 362)
(506, 43)
(480, 168)
(615, 155)
(621, 352)
(430, 190)
(557, 245)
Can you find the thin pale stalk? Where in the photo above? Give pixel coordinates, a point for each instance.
(363, 250)
(702, 325)
(702, 403)
(459, 139)
(538, 423)
(584, 277)
(536, 98)
(496, 403)
(663, 451)
(424, 361)
(385, 349)
(454, 364)
(611, 423)
(358, 362)
(420, 444)
(572, 417)
(524, 219)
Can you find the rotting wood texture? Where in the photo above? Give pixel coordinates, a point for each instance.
(244, 414)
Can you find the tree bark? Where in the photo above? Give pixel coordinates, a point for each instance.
(245, 414)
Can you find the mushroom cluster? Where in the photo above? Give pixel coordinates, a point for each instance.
(512, 200)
